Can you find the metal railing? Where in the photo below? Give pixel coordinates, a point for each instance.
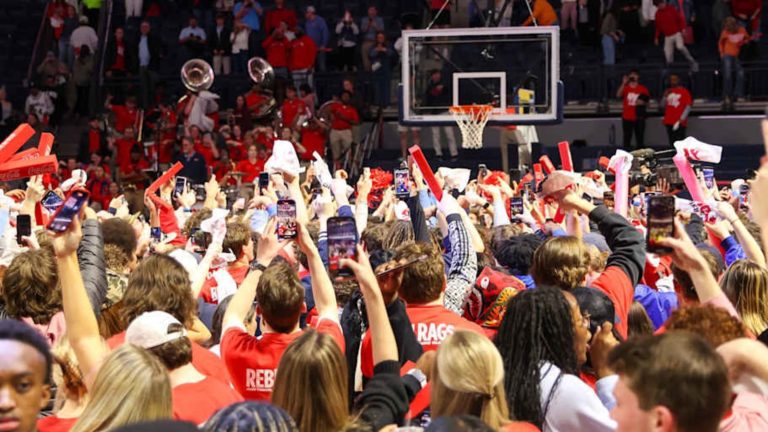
(42, 44)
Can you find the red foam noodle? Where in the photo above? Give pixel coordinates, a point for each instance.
(46, 144)
(15, 140)
(565, 155)
(547, 164)
(18, 169)
(426, 172)
(165, 178)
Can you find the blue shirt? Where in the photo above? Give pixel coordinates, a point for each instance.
(317, 29)
(371, 33)
(144, 56)
(251, 19)
(194, 168)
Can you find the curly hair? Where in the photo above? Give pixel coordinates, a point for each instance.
(31, 286)
(712, 323)
(537, 328)
(562, 262)
(516, 253)
(194, 220)
(115, 258)
(118, 232)
(250, 416)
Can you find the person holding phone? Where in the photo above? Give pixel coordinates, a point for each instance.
(635, 97)
(252, 362)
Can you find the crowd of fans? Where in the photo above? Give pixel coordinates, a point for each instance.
(460, 313)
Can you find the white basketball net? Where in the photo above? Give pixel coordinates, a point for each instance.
(471, 120)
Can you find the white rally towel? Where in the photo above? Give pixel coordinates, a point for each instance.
(699, 151)
(283, 159)
(455, 178)
(79, 178)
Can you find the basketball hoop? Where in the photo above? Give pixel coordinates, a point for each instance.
(471, 120)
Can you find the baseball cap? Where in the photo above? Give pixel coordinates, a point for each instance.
(152, 329)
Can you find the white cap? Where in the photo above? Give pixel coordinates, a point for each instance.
(152, 329)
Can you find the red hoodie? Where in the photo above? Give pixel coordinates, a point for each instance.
(668, 21)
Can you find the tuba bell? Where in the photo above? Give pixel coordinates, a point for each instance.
(261, 72)
(197, 75)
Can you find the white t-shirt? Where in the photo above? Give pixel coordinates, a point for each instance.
(575, 406)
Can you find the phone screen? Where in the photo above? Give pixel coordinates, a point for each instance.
(286, 219)
(23, 227)
(709, 177)
(68, 211)
(263, 180)
(342, 241)
(661, 222)
(402, 183)
(51, 201)
(181, 185)
(516, 206)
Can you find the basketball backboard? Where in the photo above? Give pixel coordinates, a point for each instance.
(515, 69)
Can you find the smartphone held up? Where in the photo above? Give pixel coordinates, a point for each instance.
(69, 210)
(342, 243)
(661, 222)
(286, 220)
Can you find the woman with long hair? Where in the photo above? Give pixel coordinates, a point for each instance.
(128, 385)
(746, 285)
(543, 340)
(468, 379)
(311, 381)
(71, 393)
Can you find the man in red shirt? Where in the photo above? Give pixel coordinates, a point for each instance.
(134, 171)
(313, 139)
(207, 147)
(302, 58)
(92, 141)
(166, 338)
(252, 362)
(125, 115)
(422, 288)
(98, 186)
(237, 241)
(277, 15)
(677, 103)
(254, 164)
(635, 97)
(123, 147)
(343, 117)
(292, 107)
(670, 23)
(277, 47)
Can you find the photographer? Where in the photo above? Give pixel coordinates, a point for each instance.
(635, 98)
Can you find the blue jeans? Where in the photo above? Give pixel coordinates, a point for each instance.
(609, 50)
(732, 64)
(320, 60)
(381, 86)
(66, 54)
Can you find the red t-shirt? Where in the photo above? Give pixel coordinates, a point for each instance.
(277, 51)
(124, 147)
(617, 286)
(668, 21)
(55, 424)
(197, 402)
(206, 362)
(209, 293)
(276, 16)
(252, 170)
(348, 112)
(207, 153)
(433, 324)
(677, 100)
(313, 140)
(630, 95)
(237, 152)
(253, 99)
(303, 53)
(94, 141)
(119, 64)
(292, 108)
(252, 362)
(124, 117)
